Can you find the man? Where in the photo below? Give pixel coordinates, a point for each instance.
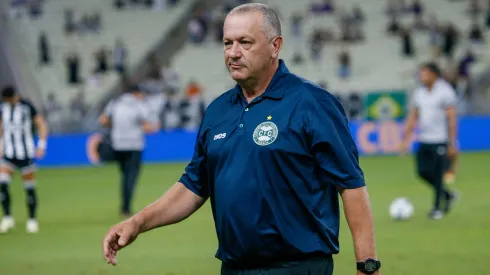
(434, 110)
(129, 120)
(18, 117)
(272, 154)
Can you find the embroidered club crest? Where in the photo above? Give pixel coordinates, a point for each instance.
(265, 133)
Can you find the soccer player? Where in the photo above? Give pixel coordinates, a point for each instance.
(18, 118)
(272, 155)
(434, 110)
(128, 118)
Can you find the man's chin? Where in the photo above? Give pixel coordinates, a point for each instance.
(238, 76)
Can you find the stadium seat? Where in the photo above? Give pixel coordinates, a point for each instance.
(139, 28)
(377, 62)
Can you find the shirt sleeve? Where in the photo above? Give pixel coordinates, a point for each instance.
(450, 99)
(195, 177)
(108, 108)
(32, 110)
(332, 144)
(145, 112)
(414, 101)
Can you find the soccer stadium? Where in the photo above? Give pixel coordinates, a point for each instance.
(71, 61)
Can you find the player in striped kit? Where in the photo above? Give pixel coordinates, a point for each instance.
(18, 120)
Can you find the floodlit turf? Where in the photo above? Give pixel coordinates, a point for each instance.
(77, 206)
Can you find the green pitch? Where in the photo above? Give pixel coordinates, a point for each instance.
(77, 206)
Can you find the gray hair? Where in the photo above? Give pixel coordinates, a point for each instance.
(272, 24)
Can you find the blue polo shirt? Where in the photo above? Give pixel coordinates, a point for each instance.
(271, 169)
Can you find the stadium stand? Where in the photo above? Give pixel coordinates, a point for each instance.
(343, 45)
(377, 62)
(139, 27)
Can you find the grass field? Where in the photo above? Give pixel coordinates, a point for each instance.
(77, 206)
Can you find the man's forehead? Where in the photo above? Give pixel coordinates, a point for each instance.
(243, 24)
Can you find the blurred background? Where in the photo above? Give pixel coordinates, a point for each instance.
(70, 58)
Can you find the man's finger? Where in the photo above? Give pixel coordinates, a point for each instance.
(108, 241)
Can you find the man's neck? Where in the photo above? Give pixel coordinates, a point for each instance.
(430, 86)
(256, 87)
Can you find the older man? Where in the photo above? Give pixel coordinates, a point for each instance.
(272, 154)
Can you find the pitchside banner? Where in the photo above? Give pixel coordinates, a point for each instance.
(385, 105)
(372, 138)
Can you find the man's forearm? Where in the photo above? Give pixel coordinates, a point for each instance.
(357, 211)
(452, 128)
(176, 205)
(42, 128)
(410, 125)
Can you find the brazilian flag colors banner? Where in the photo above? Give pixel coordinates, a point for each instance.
(385, 105)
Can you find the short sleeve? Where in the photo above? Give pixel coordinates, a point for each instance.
(108, 109)
(450, 99)
(145, 112)
(414, 101)
(195, 177)
(32, 109)
(332, 144)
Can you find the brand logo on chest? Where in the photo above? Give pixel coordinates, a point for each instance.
(220, 136)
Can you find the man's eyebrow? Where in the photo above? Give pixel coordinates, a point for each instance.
(239, 38)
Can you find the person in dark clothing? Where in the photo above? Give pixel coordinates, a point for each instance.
(476, 33)
(450, 37)
(44, 54)
(408, 49)
(73, 65)
(128, 118)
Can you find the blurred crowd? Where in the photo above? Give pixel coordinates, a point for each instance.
(181, 105)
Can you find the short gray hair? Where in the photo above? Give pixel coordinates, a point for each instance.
(272, 24)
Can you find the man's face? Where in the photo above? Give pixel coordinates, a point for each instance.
(427, 77)
(246, 47)
(10, 99)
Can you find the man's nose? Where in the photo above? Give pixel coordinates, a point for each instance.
(235, 51)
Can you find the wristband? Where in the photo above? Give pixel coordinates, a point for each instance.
(42, 144)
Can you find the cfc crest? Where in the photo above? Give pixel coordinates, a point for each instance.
(265, 133)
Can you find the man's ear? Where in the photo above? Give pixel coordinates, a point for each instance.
(276, 46)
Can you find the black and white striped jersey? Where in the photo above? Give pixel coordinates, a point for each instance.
(18, 130)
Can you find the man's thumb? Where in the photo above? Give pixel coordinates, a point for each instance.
(123, 240)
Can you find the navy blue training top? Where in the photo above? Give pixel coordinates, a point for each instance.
(271, 167)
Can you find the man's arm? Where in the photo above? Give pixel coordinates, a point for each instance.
(149, 127)
(105, 117)
(452, 118)
(337, 155)
(410, 124)
(42, 129)
(105, 121)
(41, 126)
(358, 214)
(183, 199)
(176, 205)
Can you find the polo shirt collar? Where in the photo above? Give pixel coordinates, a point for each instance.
(275, 90)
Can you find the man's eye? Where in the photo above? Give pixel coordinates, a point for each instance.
(245, 42)
(227, 43)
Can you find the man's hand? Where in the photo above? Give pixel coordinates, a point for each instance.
(118, 237)
(40, 152)
(404, 147)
